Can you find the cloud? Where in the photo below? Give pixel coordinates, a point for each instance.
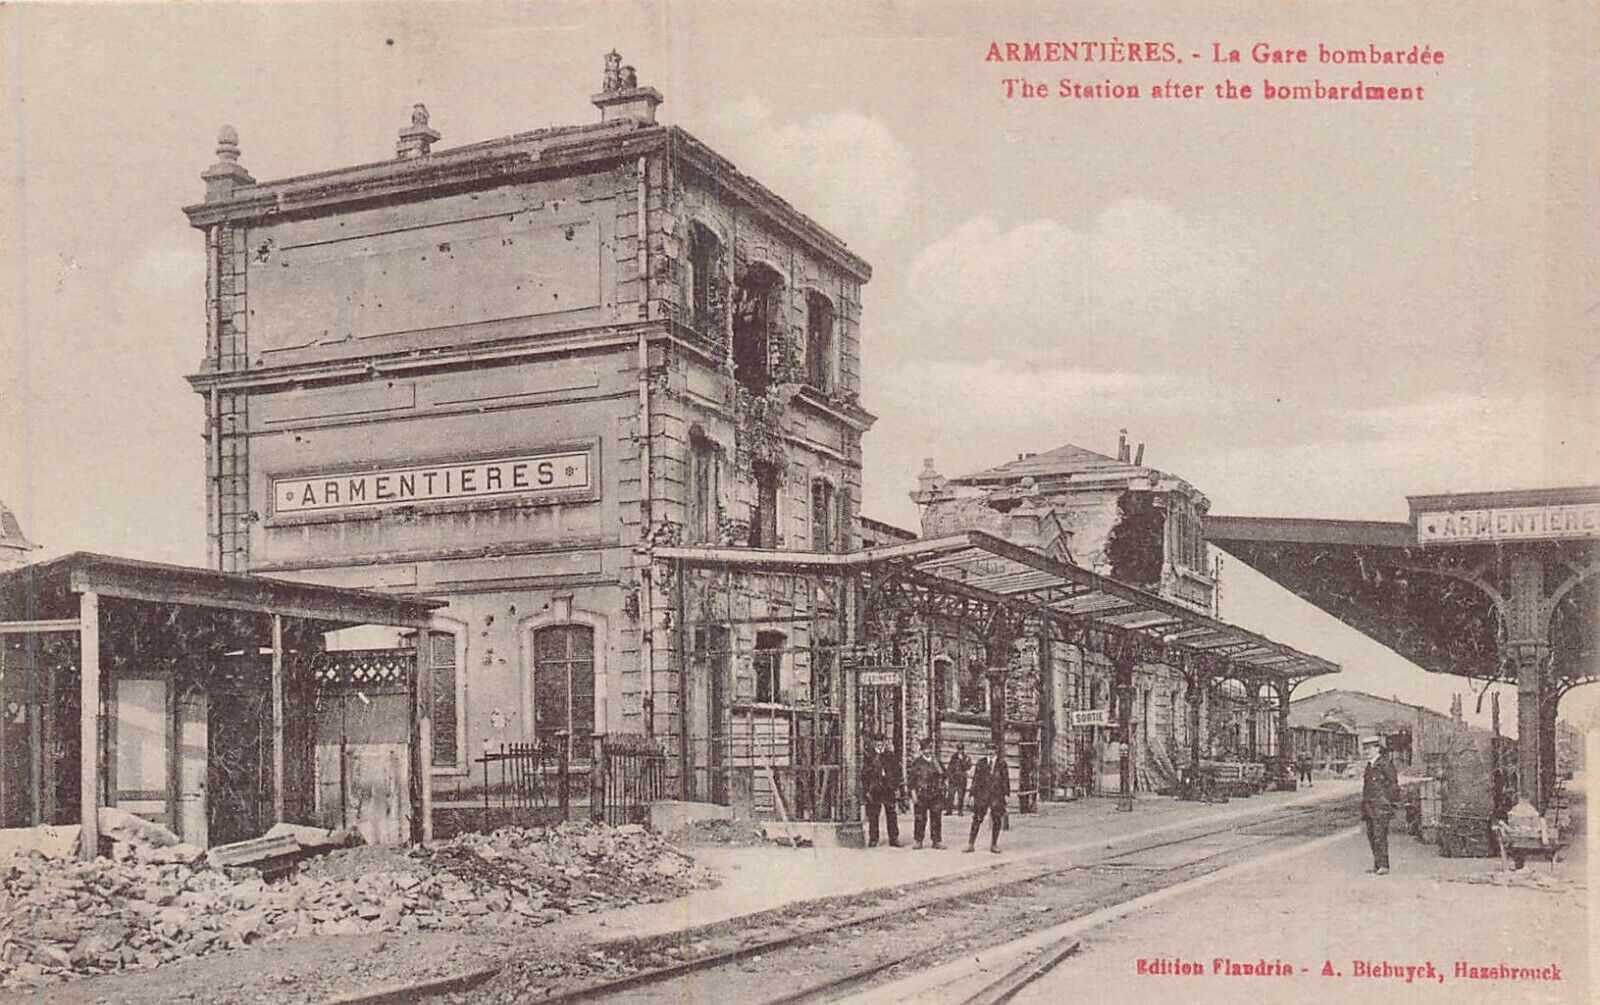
(1124, 291)
(844, 169)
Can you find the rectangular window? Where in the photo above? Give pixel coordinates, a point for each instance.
(824, 520)
(701, 525)
(819, 341)
(764, 516)
(442, 684)
(769, 666)
(975, 689)
(563, 686)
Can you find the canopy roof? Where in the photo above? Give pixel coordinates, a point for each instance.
(1424, 599)
(46, 590)
(989, 568)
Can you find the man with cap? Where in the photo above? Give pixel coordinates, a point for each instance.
(926, 780)
(1380, 795)
(991, 784)
(880, 786)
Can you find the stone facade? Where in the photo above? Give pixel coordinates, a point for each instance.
(1120, 518)
(501, 374)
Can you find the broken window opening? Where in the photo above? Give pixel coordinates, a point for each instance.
(755, 318)
(701, 524)
(768, 664)
(704, 266)
(764, 515)
(824, 516)
(974, 689)
(819, 341)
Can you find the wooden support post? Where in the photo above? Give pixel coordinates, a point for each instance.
(849, 730)
(424, 759)
(1285, 691)
(1196, 697)
(89, 723)
(277, 718)
(1048, 704)
(1122, 666)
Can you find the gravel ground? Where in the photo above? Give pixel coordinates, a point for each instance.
(1325, 909)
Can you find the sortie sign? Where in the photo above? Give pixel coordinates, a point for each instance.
(1518, 523)
(487, 479)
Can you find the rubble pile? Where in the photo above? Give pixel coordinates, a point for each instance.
(148, 905)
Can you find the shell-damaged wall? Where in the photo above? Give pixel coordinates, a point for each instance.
(793, 421)
(488, 391)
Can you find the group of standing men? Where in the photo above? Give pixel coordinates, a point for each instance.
(932, 791)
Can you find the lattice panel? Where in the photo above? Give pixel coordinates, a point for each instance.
(363, 668)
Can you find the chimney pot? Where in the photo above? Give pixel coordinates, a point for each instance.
(621, 97)
(417, 139)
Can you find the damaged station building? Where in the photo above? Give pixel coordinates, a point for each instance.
(584, 404)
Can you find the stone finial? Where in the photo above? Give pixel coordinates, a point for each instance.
(621, 97)
(417, 139)
(227, 174)
(930, 485)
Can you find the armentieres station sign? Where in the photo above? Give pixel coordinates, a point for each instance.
(480, 479)
(1514, 523)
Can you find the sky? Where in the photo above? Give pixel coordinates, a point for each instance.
(1303, 310)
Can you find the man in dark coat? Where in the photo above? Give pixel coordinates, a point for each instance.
(956, 778)
(926, 780)
(1380, 795)
(880, 785)
(991, 784)
(1303, 763)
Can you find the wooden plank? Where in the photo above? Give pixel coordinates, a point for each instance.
(277, 718)
(424, 734)
(47, 715)
(89, 724)
(39, 627)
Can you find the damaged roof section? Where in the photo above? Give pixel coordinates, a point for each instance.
(46, 590)
(998, 571)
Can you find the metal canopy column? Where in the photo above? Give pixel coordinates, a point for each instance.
(1529, 644)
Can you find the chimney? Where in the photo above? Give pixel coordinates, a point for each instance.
(227, 173)
(416, 140)
(1122, 445)
(1138, 457)
(621, 97)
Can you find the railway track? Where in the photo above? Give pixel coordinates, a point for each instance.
(824, 958)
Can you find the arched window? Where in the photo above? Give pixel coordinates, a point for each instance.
(563, 685)
(819, 341)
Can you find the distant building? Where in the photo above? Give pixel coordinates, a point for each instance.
(1117, 516)
(1413, 732)
(1138, 525)
(14, 545)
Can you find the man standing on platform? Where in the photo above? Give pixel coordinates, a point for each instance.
(880, 784)
(991, 784)
(1380, 794)
(926, 780)
(956, 778)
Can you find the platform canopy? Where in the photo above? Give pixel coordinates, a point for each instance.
(46, 591)
(1436, 588)
(987, 569)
